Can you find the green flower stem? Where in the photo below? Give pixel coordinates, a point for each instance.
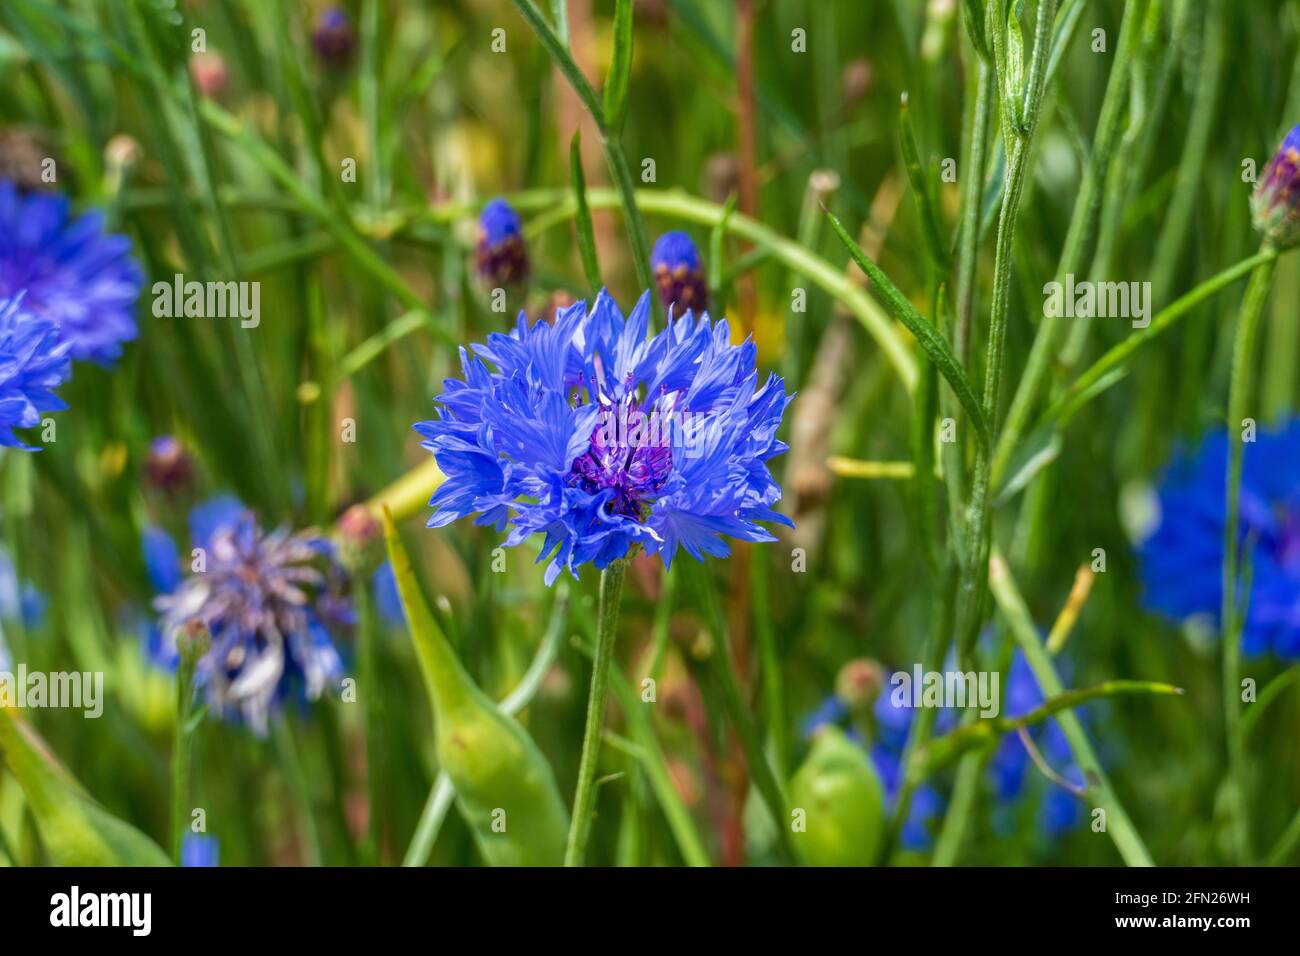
(964, 791)
(192, 648)
(291, 765)
(1086, 209)
(444, 791)
(769, 662)
(1239, 398)
(918, 736)
(1118, 825)
(614, 155)
(584, 797)
(972, 199)
(1287, 844)
(645, 747)
(1188, 191)
(722, 675)
(986, 732)
(378, 767)
(973, 581)
(1084, 388)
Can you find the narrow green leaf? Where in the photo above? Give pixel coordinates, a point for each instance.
(1014, 81)
(973, 14)
(74, 829)
(927, 335)
(620, 68)
(582, 218)
(920, 183)
(717, 237)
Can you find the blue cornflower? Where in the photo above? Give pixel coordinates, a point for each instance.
(603, 440)
(502, 258)
(679, 274)
(199, 850)
(33, 362)
(1180, 563)
(333, 39)
(1275, 203)
(75, 276)
(273, 603)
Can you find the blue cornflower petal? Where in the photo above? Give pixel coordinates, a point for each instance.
(162, 559)
(209, 516)
(33, 362)
(77, 277)
(272, 602)
(601, 440)
(1180, 562)
(200, 850)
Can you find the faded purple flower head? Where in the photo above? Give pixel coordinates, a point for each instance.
(33, 362)
(600, 439)
(679, 274)
(272, 602)
(502, 258)
(75, 275)
(334, 39)
(1275, 203)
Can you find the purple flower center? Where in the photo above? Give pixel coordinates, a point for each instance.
(631, 454)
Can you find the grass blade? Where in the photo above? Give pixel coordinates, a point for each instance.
(582, 220)
(927, 335)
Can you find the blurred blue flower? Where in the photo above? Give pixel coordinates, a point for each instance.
(19, 600)
(200, 850)
(383, 584)
(273, 603)
(75, 276)
(1010, 769)
(679, 274)
(33, 362)
(1180, 563)
(502, 258)
(1275, 203)
(602, 439)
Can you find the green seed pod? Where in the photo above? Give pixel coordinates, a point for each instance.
(504, 787)
(842, 803)
(75, 830)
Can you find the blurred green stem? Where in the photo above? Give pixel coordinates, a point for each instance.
(614, 155)
(1087, 205)
(1117, 822)
(972, 199)
(964, 790)
(584, 797)
(1080, 391)
(1239, 398)
(191, 650)
(724, 683)
(973, 581)
(287, 749)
